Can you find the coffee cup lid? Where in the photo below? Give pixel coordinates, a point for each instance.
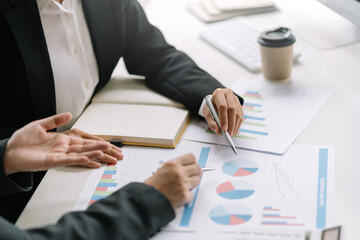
(278, 37)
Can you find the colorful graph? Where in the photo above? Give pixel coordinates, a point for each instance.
(235, 189)
(106, 184)
(272, 217)
(254, 119)
(240, 167)
(253, 95)
(230, 214)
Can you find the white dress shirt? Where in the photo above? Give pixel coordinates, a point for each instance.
(71, 54)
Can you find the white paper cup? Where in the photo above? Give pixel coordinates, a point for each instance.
(276, 47)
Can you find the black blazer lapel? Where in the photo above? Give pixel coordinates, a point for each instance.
(104, 36)
(25, 22)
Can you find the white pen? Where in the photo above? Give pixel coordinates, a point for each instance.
(207, 169)
(216, 118)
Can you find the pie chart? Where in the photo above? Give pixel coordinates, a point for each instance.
(235, 189)
(230, 214)
(240, 167)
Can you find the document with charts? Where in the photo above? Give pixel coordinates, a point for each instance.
(275, 114)
(250, 190)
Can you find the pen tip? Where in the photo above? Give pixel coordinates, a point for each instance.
(234, 149)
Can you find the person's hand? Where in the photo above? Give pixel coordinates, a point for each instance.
(229, 110)
(176, 178)
(32, 148)
(111, 155)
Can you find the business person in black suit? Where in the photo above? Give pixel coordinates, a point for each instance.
(56, 54)
(136, 211)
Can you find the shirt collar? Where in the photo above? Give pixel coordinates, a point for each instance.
(42, 4)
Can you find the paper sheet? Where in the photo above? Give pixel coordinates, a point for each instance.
(253, 189)
(275, 114)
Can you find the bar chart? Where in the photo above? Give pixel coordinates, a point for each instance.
(273, 217)
(106, 185)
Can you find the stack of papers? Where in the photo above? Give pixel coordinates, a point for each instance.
(217, 10)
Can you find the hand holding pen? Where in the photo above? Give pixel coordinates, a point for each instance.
(229, 110)
(214, 115)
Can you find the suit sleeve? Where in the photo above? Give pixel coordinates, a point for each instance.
(13, 183)
(167, 70)
(136, 211)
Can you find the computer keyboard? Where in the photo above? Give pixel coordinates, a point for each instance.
(238, 40)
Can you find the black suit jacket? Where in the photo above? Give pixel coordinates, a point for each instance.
(136, 211)
(118, 28)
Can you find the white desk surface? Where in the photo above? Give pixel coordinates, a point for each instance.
(336, 124)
